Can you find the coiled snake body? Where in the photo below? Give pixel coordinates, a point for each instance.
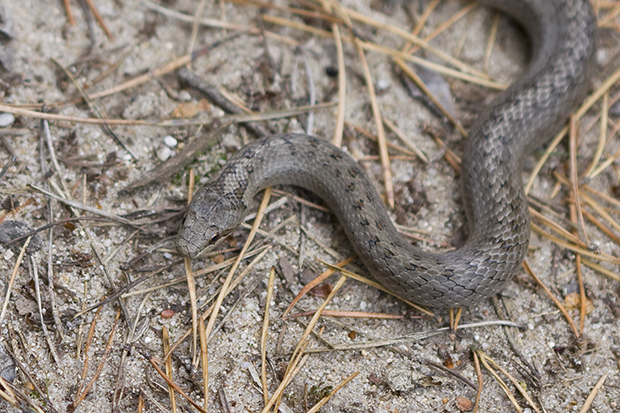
(524, 116)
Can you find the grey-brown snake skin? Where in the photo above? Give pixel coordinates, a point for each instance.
(562, 34)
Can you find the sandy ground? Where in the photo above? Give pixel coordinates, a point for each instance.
(391, 378)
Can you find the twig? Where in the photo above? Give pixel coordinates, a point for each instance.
(557, 302)
(263, 341)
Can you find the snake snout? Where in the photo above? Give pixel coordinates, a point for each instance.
(186, 248)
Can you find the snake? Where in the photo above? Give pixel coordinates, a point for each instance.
(562, 36)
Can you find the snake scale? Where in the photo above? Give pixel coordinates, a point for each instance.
(527, 114)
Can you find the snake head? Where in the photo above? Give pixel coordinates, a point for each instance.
(211, 217)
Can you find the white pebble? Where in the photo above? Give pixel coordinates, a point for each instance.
(8, 255)
(170, 141)
(362, 305)
(382, 84)
(164, 153)
(6, 119)
(184, 96)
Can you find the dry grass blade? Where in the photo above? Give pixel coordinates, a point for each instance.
(316, 282)
(601, 269)
(100, 20)
(172, 383)
(602, 195)
(593, 393)
(514, 381)
(377, 286)
(491, 42)
(602, 136)
(231, 287)
(165, 336)
(501, 382)
(417, 41)
(590, 201)
(594, 97)
(6, 393)
(263, 339)
(191, 286)
(342, 80)
(350, 314)
(325, 399)
(418, 81)
(69, 12)
(408, 338)
(403, 137)
(491, 84)
(383, 150)
(223, 291)
(303, 342)
(574, 248)
(9, 288)
(78, 205)
(574, 176)
(204, 362)
(104, 358)
(195, 25)
(448, 23)
(480, 381)
(557, 302)
(557, 228)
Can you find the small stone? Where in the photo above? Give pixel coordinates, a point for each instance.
(8, 254)
(170, 141)
(382, 85)
(164, 153)
(167, 314)
(184, 96)
(6, 119)
(464, 404)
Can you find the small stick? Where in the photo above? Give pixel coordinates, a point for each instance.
(107, 31)
(585, 106)
(480, 381)
(557, 302)
(165, 336)
(325, 399)
(224, 289)
(491, 42)
(195, 25)
(301, 345)
(263, 341)
(602, 136)
(106, 353)
(594, 392)
(204, 361)
(316, 282)
(383, 151)
(69, 12)
(176, 387)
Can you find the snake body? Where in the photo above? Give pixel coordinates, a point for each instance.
(527, 114)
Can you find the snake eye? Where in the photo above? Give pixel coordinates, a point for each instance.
(214, 239)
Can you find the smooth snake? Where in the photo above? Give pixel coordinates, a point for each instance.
(527, 114)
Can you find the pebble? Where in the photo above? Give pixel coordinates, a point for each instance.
(464, 404)
(8, 255)
(6, 119)
(167, 314)
(164, 153)
(170, 141)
